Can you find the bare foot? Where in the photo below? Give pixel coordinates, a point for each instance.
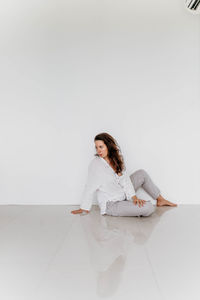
(164, 202)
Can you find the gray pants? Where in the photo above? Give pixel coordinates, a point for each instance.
(140, 178)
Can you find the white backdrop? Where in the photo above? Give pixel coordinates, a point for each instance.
(72, 69)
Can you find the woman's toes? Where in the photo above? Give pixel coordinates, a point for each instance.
(165, 203)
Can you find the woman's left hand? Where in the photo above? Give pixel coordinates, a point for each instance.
(140, 202)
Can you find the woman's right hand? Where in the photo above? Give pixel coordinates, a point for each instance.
(79, 211)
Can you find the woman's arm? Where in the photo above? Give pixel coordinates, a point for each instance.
(127, 185)
(92, 184)
(129, 190)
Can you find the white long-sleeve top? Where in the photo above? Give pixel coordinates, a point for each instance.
(109, 186)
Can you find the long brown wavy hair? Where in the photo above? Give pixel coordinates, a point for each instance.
(114, 151)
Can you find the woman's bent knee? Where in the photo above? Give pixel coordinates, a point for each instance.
(149, 209)
(139, 172)
(142, 171)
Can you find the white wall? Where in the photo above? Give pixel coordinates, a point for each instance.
(72, 69)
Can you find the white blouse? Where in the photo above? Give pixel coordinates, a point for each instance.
(109, 186)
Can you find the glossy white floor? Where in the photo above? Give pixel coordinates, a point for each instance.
(46, 253)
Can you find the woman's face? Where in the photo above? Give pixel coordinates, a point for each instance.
(101, 148)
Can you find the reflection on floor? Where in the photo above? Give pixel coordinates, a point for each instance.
(47, 253)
